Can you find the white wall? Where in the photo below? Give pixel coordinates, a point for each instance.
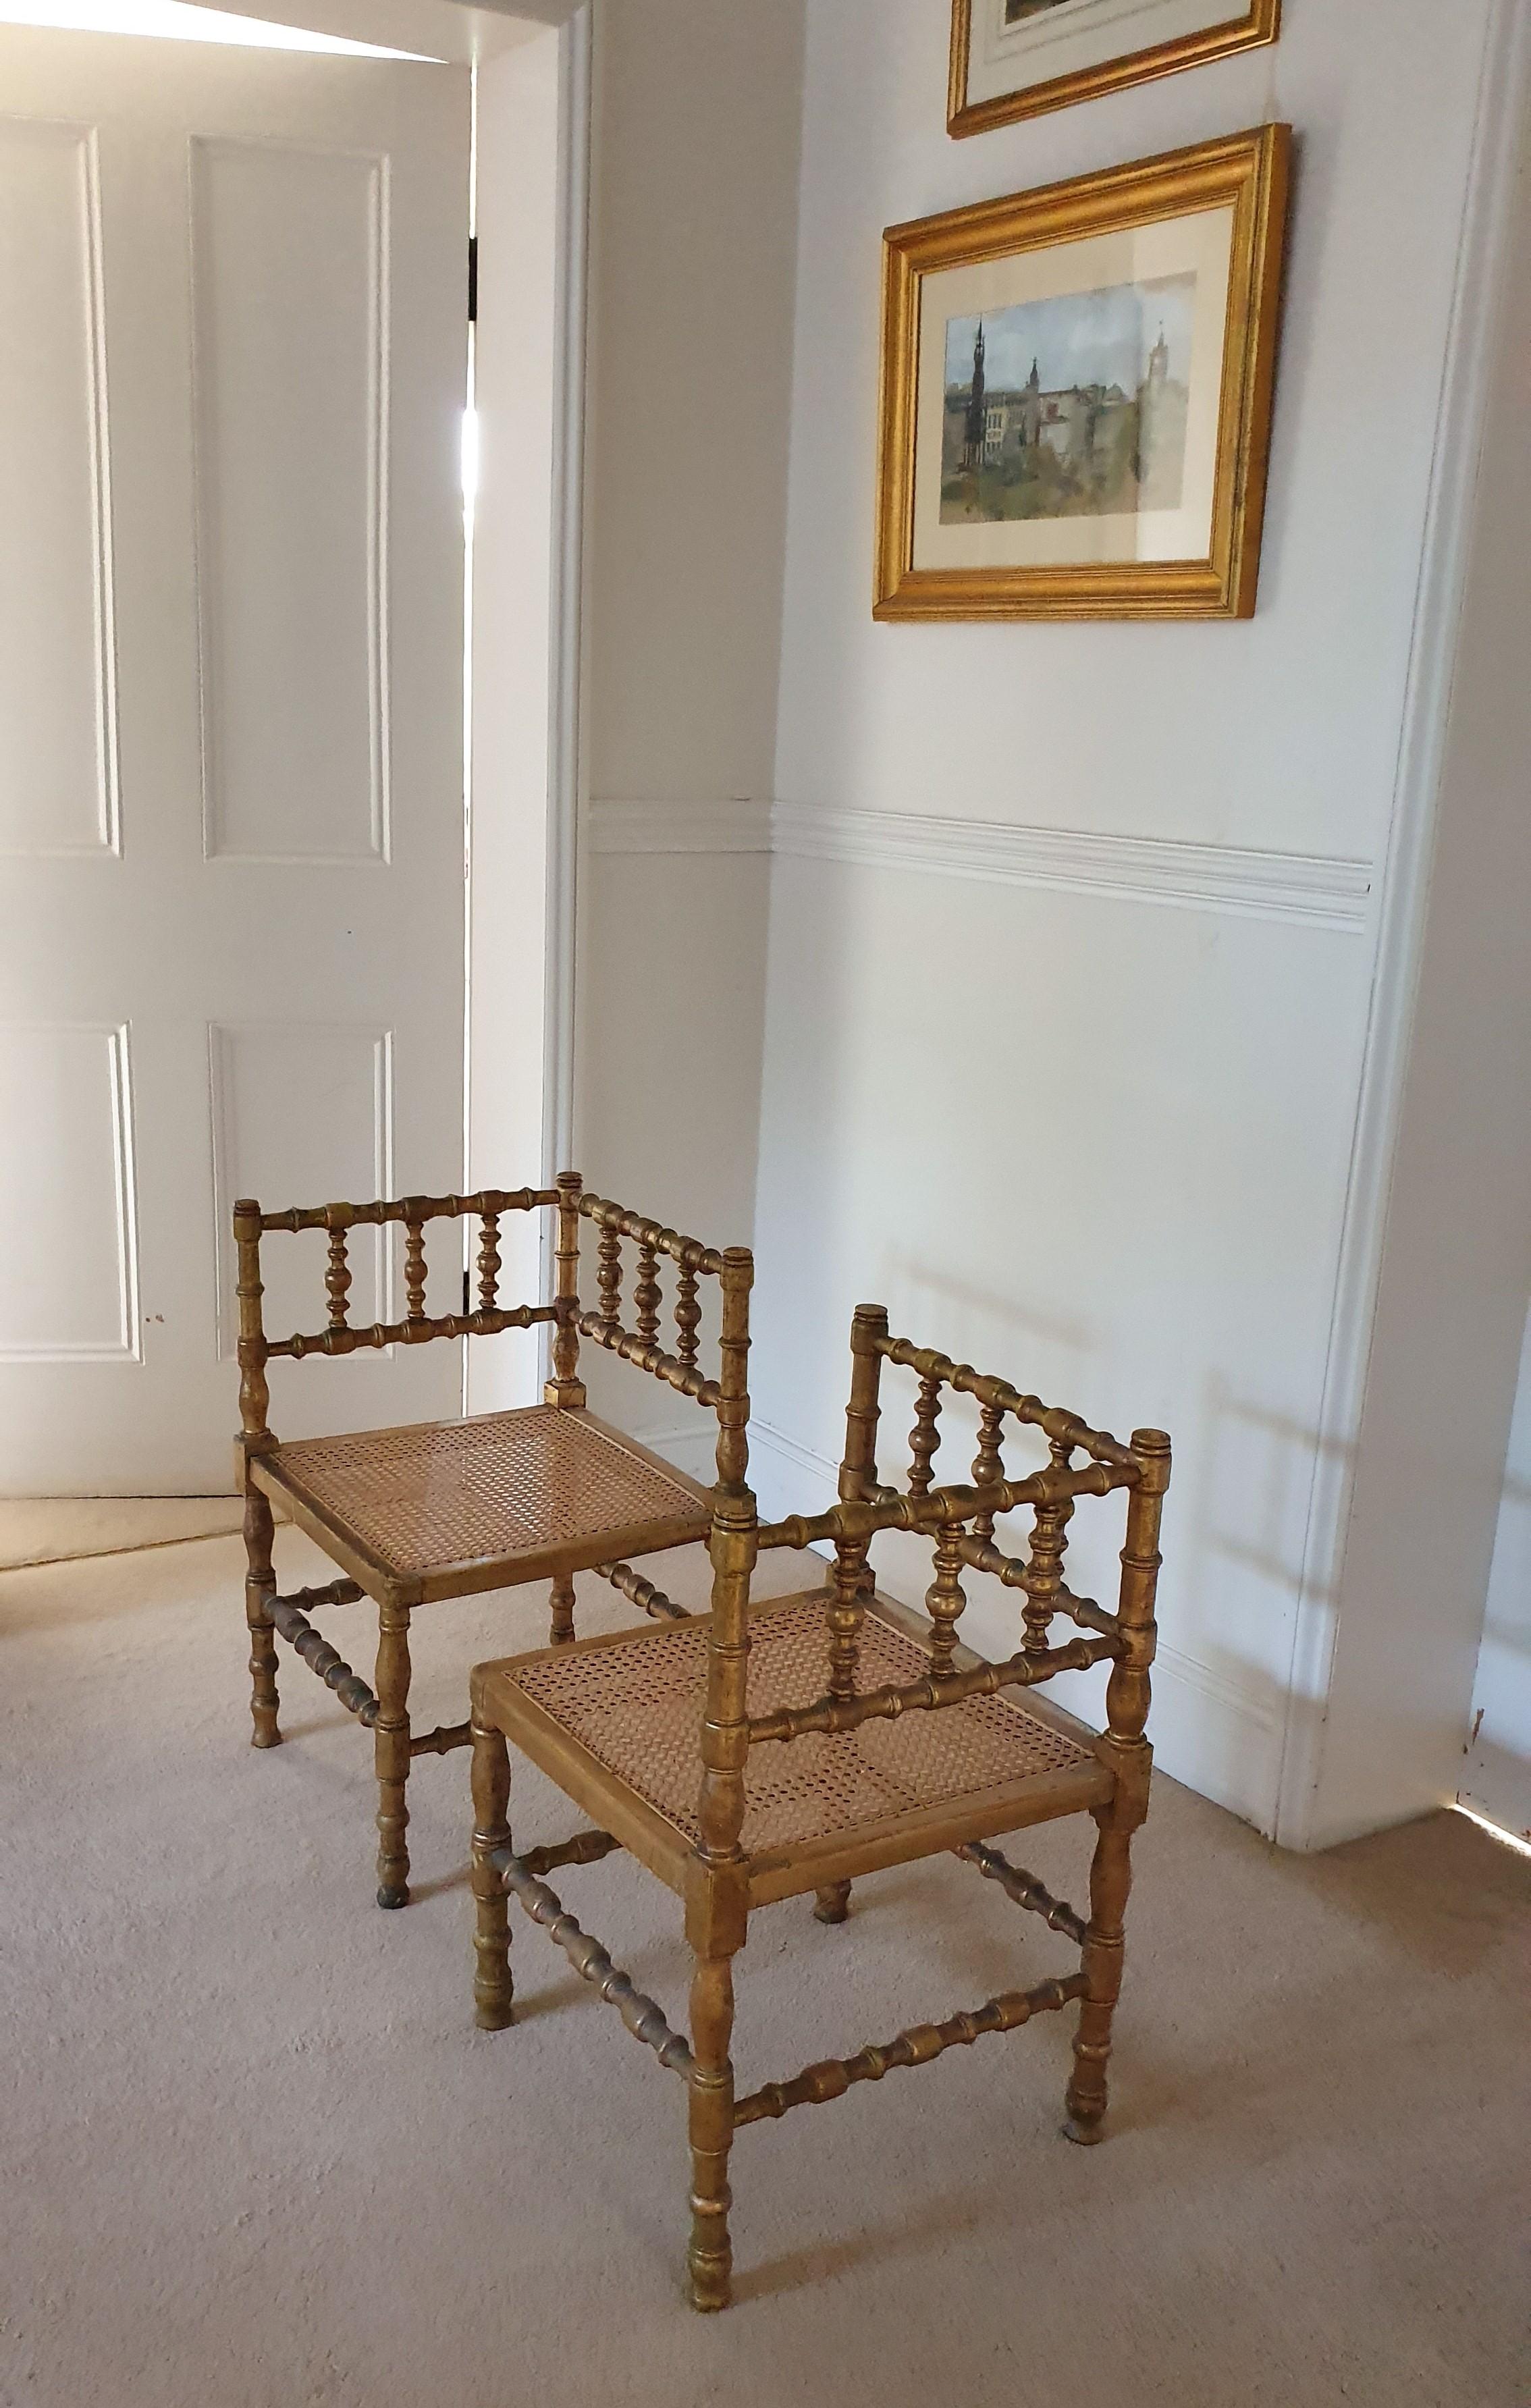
(695, 141)
(1062, 1120)
(1104, 1008)
(516, 573)
(1455, 1266)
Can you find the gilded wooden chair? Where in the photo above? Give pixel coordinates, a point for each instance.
(447, 1509)
(751, 1756)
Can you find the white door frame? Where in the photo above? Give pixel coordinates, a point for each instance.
(534, 216)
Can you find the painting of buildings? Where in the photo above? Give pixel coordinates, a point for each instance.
(1094, 427)
(1017, 11)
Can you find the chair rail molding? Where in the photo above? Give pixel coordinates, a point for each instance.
(735, 826)
(1313, 890)
(1308, 887)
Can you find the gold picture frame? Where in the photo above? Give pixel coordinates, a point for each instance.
(1244, 29)
(1069, 510)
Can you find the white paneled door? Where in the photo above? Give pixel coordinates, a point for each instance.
(232, 349)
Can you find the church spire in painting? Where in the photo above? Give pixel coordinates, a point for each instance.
(975, 403)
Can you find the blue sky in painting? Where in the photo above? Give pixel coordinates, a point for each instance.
(1102, 337)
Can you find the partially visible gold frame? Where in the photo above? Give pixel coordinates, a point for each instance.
(1248, 171)
(1254, 26)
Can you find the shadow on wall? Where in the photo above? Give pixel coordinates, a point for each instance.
(1257, 1477)
(1235, 1538)
(1507, 1624)
(1033, 1346)
(1496, 1767)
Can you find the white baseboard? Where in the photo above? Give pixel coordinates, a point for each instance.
(1215, 1738)
(693, 1448)
(788, 1477)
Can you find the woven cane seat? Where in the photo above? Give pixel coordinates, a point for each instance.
(632, 1706)
(439, 1507)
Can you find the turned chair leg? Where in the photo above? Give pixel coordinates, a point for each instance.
(562, 1634)
(494, 1991)
(710, 2255)
(260, 1586)
(391, 1738)
(1110, 1878)
(832, 1904)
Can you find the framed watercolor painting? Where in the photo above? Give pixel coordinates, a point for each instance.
(1016, 58)
(1077, 391)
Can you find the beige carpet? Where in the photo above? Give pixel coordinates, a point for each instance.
(56, 1530)
(256, 2155)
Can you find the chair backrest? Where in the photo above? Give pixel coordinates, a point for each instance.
(727, 1394)
(960, 1521)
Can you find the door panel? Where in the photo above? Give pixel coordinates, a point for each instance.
(342, 1131)
(289, 251)
(57, 778)
(231, 651)
(69, 1267)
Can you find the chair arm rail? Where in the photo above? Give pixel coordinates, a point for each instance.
(410, 1208)
(836, 1714)
(689, 1253)
(896, 1510)
(1063, 1428)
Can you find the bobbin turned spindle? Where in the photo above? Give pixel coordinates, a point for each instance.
(337, 1274)
(489, 1261)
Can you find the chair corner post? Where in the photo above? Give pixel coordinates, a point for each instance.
(391, 1748)
(1127, 1752)
(737, 1280)
(858, 1475)
(494, 1991)
(718, 1889)
(734, 1547)
(1127, 1693)
(260, 1588)
(868, 1335)
(565, 1388)
(254, 1392)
